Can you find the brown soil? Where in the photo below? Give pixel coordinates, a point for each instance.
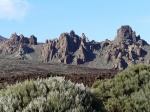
(17, 71)
(86, 79)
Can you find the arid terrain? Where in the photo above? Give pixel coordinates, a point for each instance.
(13, 71)
(81, 66)
(72, 56)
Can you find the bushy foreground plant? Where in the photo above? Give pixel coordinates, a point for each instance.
(129, 91)
(48, 95)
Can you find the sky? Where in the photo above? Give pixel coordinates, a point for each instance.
(98, 19)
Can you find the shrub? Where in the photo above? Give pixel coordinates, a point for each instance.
(129, 91)
(48, 95)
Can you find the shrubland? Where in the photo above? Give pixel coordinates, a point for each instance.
(48, 95)
(128, 91)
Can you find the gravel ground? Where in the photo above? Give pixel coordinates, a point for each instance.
(12, 71)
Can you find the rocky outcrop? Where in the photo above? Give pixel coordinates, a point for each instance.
(15, 39)
(69, 48)
(33, 40)
(126, 33)
(17, 44)
(125, 50)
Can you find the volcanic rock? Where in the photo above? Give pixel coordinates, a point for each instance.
(33, 40)
(125, 50)
(2, 39)
(17, 44)
(107, 57)
(118, 64)
(126, 33)
(23, 40)
(69, 48)
(15, 39)
(142, 42)
(105, 43)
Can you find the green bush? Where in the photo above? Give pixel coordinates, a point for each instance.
(128, 91)
(48, 95)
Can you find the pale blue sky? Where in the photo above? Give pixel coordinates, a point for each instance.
(98, 19)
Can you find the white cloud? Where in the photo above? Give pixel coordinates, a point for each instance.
(13, 9)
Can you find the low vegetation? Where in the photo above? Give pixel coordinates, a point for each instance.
(129, 91)
(48, 95)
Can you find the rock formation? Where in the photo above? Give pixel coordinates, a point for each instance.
(125, 50)
(32, 40)
(17, 44)
(69, 48)
(126, 33)
(15, 39)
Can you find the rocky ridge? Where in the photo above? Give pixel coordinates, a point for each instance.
(125, 50)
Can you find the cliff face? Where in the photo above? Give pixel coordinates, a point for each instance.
(125, 50)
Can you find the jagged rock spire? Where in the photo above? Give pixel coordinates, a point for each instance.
(125, 33)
